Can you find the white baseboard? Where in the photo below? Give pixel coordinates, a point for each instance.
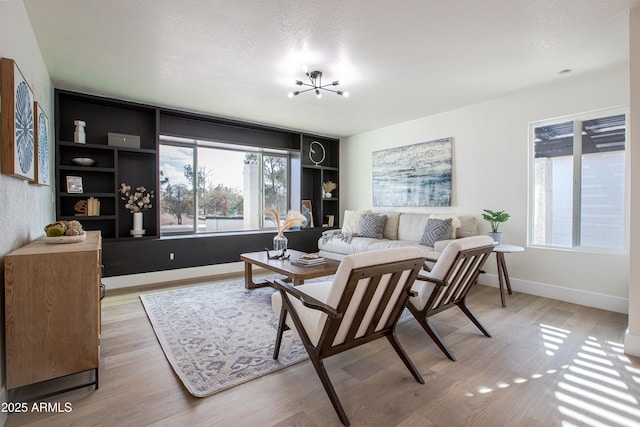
(179, 274)
(575, 296)
(632, 344)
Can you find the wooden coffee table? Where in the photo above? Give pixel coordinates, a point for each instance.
(292, 272)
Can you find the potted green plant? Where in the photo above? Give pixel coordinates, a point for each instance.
(495, 218)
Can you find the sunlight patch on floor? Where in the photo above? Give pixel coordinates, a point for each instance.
(596, 389)
(553, 337)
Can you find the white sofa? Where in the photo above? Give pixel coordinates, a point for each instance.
(400, 230)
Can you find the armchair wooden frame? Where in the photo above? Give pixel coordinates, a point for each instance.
(327, 345)
(452, 291)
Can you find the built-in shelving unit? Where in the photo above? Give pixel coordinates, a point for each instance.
(113, 164)
(316, 172)
(123, 254)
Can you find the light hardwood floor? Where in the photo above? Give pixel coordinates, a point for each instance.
(549, 363)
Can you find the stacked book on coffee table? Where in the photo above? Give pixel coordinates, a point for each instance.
(309, 260)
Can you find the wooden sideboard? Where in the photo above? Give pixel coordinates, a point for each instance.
(52, 310)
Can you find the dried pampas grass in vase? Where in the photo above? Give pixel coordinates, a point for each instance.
(327, 188)
(293, 219)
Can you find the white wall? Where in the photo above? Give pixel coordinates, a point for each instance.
(25, 209)
(632, 338)
(490, 170)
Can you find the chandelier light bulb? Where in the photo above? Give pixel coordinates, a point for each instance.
(290, 95)
(318, 94)
(336, 83)
(345, 94)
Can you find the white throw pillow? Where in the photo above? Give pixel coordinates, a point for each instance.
(352, 221)
(455, 222)
(391, 226)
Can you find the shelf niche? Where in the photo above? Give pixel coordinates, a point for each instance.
(113, 165)
(315, 174)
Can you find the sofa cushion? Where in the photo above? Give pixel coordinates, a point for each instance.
(411, 226)
(352, 221)
(372, 226)
(468, 227)
(337, 249)
(455, 222)
(346, 246)
(436, 229)
(391, 226)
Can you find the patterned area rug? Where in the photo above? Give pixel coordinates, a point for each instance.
(219, 335)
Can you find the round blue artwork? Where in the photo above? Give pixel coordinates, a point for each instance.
(43, 149)
(24, 127)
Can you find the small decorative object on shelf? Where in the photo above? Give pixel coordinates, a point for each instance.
(137, 231)
(79, 136)
(83, 161)
(137, 202)
(89, 207)
(316, 156)
(74, 184)
(81, 208)
(93, 206)
(280, 241)
(307, 213)
(330, 220)
(327, 188)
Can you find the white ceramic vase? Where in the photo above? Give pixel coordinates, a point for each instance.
(79, 136)
(137, 231)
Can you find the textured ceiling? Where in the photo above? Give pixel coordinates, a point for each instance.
(399, 60)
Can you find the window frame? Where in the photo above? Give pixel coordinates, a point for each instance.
(577, 120)
(194, 145)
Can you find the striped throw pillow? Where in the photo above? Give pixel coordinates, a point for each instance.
(372, 226)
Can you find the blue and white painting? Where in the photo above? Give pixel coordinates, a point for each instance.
(42, 144)
(23, 137)
(413, 175)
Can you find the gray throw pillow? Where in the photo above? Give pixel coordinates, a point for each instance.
(436, 229)
(372, 226)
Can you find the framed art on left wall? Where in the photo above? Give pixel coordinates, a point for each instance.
(18, 144)
(41, 145)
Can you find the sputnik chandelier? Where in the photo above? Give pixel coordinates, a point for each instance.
(315, 77)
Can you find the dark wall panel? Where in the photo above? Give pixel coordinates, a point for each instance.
(146, 255)
(210, 129)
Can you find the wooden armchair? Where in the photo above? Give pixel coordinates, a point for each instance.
(362, 303)
(447, 283)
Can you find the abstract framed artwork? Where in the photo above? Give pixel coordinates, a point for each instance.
(74, 184)
(18, 145)
(307, 212)
(413, 175)
(42, 145)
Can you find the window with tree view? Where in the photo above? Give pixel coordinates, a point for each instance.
(579, 182)
(209, 188)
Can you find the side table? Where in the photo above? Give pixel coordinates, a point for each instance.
(503, 274)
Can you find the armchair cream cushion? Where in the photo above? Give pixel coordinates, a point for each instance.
(330, 292)
(442, 266)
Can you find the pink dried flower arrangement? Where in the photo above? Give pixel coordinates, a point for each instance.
(137, 201)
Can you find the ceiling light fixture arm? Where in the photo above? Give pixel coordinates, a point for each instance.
(315, 78)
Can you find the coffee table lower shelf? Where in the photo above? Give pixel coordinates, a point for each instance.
(292, 273)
